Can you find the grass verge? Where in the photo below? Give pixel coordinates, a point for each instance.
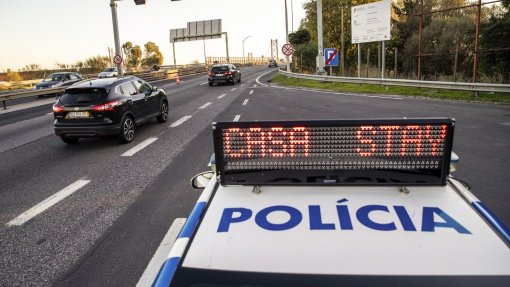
(393, 90)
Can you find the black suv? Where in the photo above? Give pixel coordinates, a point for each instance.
(224, 73)
(111, 106)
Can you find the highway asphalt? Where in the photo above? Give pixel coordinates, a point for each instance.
(107, 230)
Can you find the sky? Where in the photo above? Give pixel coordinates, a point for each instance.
(66, 31)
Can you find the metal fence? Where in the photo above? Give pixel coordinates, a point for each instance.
(472, 87)
(164, 73)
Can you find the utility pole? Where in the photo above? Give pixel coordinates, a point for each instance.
(477, 32)
(113, 5)
(342, 43)
(419, 39)
(320, 43)
(287, 35)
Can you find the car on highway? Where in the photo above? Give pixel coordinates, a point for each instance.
(112, 106)
(61, 79)
(109, 72)
(224, 73)
(365, 202)
(273, 64)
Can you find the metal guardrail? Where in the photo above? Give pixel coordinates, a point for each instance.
(471, 87)
(148, 76)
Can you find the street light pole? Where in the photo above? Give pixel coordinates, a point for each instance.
(113, 5)
(243, 44)
(320, 42)
(287, 34)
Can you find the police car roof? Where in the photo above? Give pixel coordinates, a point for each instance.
(297, 234)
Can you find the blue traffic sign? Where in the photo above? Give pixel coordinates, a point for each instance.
(331, 57)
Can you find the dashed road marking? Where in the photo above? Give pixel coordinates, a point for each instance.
(251, 92)
(140, 146)
(180, 121)
(150, 273)
(505, 124)
(205, 106)
(233, 89)
(245, 102)
(255, 85)
(221, 96)
(204, 83)
(47, 203)
(237, 117)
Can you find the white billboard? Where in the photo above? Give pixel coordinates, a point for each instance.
(371, 22)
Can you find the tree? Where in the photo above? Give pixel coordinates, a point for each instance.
(152, 55)
(97, 63)
(133, 54)
(494, 35)
(13, 76)
(31, 67)
(301, 36)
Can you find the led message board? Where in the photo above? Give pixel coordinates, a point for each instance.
(339, 152)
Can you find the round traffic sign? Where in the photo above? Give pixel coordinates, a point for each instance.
(288, 49)
(117, 59)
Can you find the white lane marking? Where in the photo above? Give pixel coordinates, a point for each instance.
(205, 106)
(171, 84)
(255, 85)
(242, 85)
(160, 256)
(140, 146)
(47, 203)
(236, 119)
(505, 124)
(221, 96)
(251, 92)
(233, 89)
(204, 83)
(245, 102)
(50, 113)
(324, 92)
(179, 122)
(258, 79)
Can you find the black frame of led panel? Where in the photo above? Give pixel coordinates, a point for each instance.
(354, 177)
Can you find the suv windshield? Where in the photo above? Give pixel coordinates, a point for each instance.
(220, 69)
(83, 96)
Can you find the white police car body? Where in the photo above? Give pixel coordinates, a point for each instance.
(340, 203)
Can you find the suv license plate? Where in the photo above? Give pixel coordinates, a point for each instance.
(78, 115)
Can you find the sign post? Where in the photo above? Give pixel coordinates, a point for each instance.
(331, 58)
(287, 49)
(117, 59)
(371, 23)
